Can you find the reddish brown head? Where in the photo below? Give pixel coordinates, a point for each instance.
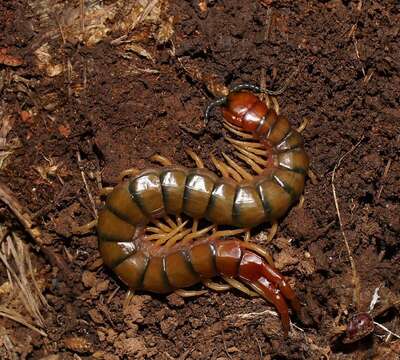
(244, 109)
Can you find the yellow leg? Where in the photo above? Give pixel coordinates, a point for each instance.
(196, 158)
(247, 236)
(260, 251)
(197, 234)
(215, 286)
(172, 241)
(84, 229)
(128, 172)
(189, 293)
(303, 125)
(162, 226)
(237, 132)
(238, 285)
(161, 239)
(195, 225)
(106, 190)
(275, 105)
(257, 169)
(154, 230)
(161, 160)
(245, 144)
(237, 168)
(301, 202)
(224, 233)
(272, 231)
(312, 177)
(224, 169)
(253, 157)
(170, 222)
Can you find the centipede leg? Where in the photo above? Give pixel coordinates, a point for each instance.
(272, 231)
(128, 172)
(196, 234)
(312, 177)
(161, 160)
(239, 286)
(303, 125)
(84, 229)
(260, 251)
(275, 105)
(301, 202)
(195, 225)
(280, 283)
(106, 190)
(225, 233)
(196, 158)
(170, 222)
(215, 286)
(243, 173)
(267, 282)
(223, 168)
(237, 132)
(190, 293)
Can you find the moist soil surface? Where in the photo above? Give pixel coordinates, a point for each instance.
(98, 103)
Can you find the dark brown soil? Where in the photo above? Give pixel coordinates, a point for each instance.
(345, 59)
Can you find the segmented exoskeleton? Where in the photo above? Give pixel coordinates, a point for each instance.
(272, 148)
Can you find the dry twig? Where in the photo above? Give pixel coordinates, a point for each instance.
(16, 259)
(356, 278)
(25, 218)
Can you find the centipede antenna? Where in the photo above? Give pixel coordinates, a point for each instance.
(218, 102)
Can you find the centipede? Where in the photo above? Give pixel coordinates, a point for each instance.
(149, 251)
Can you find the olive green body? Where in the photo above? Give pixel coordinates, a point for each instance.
(201, 194)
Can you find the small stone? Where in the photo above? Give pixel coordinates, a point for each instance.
(89, 279)
(78, 344)
(96, 316)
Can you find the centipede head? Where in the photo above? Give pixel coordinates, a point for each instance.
(241, 107)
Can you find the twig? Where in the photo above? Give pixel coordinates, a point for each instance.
(356, 279)
(387, 330)
(268, 24)
(385, 174)
(223, 341)
(22, 215)
(25, 219)
(259, 347)
(18, 318)
(78, 155)
(82, 18)
(253, 315)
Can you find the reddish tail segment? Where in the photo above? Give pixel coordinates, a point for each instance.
(183, 267)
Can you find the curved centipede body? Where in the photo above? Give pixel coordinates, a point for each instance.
(275, 152)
